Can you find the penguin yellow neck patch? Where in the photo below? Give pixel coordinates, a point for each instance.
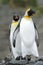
(26, 17)
(15, 23)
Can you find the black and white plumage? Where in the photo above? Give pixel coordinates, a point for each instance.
(15, 38)
(36, 35)
(27, 34)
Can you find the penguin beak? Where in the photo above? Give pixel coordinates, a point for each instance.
(31, 12)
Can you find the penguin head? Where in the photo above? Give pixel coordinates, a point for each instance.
(30, 12)
(16, 17)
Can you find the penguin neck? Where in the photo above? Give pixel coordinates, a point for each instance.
(27, 17)
(14, 21)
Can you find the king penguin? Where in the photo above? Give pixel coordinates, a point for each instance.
(27, 34)
(15, 37)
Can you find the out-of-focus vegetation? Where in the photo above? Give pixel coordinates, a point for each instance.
(4, 1)
(23, 4)
(20, 2)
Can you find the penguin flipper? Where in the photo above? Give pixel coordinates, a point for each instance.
(36, 35)
(16, 35)
(14, 43)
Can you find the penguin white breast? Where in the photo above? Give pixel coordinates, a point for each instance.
(27, 31)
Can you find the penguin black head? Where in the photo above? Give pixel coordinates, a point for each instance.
(16, 17)
(30, 12)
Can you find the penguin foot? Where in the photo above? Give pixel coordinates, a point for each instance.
(20, 58)
(23, 58)
(28, 57)
(17, 58)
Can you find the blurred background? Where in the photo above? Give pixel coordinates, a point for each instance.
(7, 9)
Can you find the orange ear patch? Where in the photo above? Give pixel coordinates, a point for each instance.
(26, 17)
